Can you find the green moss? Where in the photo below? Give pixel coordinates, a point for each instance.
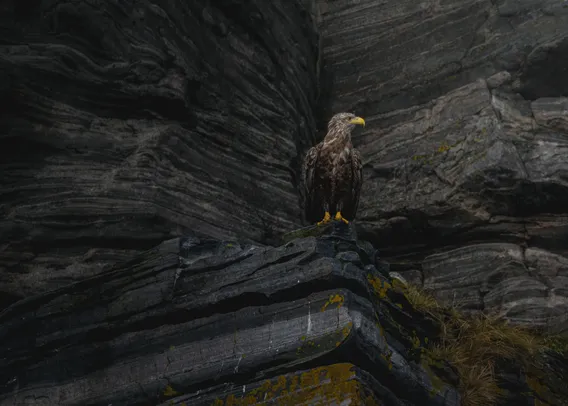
(557, 344)
(169, 392)
(437, 384)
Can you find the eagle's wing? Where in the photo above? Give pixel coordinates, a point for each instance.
(350, 209)
(310, 192)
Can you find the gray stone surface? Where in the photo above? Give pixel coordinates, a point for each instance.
(127, 123)
(195, 117)
(194, 313)
(465, 144)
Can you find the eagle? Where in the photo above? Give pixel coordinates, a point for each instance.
(332, 173)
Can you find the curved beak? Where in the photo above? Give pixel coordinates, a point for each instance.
(358, 120)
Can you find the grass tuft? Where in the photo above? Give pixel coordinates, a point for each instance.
(474, 343)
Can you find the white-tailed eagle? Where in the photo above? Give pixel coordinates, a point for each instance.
(332, 173)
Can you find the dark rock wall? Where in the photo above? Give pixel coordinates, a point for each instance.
(465, 147)
(193, 320)
(126, 123)
(127, 126)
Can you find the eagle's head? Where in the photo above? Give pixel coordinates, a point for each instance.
(344, 122)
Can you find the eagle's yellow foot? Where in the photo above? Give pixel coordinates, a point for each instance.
(326, 219)
(339, 217)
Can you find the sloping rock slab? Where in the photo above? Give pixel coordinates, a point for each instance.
(327, 385)
(195, 313)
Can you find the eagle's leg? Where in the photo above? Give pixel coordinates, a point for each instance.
(326, 219)
(327, 216)
(338, 208)
(339, 217)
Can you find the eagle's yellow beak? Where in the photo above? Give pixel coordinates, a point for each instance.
(358, 120)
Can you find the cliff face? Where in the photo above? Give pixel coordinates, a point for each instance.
(149, 166)
(198, 321)
(466, 145)
(127, 123)
(193, 312)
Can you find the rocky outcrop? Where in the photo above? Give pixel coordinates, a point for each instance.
(200, 321)
(128, 126)
(465, 144)
(207, 110)
(125, 124)
(194, 312)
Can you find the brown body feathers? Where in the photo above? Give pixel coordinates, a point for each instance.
(332, 172)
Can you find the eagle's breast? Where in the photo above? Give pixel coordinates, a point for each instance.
(345, 155)
(339, 160)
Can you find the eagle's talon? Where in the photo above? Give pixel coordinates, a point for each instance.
(339, 217)
(326, 219)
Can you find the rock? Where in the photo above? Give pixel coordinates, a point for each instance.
(336, 383)
(551, 112)
(382, 57)
(193, 313)
(132, 123)
(526, 286)
(203, 321)
(207, 111)
(129, 127)
(465, 143)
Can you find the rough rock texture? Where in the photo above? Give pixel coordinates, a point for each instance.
(311, 321)
(192, 313)
(466, 144)
(200, 322)
(131, 123)
(127, 123)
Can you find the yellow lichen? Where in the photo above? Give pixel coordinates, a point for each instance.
(334, 299)
(380, 287)
(443, 148)
(346, 330)
(332, 384)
